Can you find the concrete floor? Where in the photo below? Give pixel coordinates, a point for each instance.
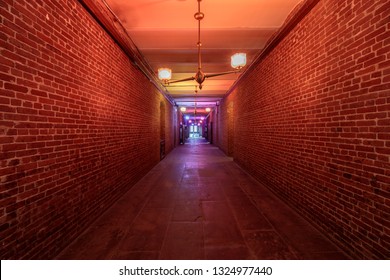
(198, 204)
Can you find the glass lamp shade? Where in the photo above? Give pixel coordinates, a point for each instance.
(208, 109)
(183, 109)
(238, 60)
(164, 74)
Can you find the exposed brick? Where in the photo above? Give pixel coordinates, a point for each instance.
(71, 147)
(272, 129)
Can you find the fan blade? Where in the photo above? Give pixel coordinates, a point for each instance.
(222, 73)
(181, 80)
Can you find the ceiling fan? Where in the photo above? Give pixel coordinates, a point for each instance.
(238, 61)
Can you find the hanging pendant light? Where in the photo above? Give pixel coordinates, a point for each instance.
(238, 61)
(164, 74)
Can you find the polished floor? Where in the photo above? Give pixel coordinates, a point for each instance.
(198, 204)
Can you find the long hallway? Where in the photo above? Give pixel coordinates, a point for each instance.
(198, 204)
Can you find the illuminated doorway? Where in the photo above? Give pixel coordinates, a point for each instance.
(195, 131)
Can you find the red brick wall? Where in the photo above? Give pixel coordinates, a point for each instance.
(226, 126)
(312, 122)
(79, 125)
(215, 125)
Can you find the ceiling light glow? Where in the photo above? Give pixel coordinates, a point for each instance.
(164, 74)
(238, 60)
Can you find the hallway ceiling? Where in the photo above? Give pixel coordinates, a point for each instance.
(165, 33)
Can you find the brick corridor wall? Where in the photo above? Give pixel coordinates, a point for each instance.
(226, 126)
(312, 122)
(222, 127)
(215, 126)
(79, 125)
